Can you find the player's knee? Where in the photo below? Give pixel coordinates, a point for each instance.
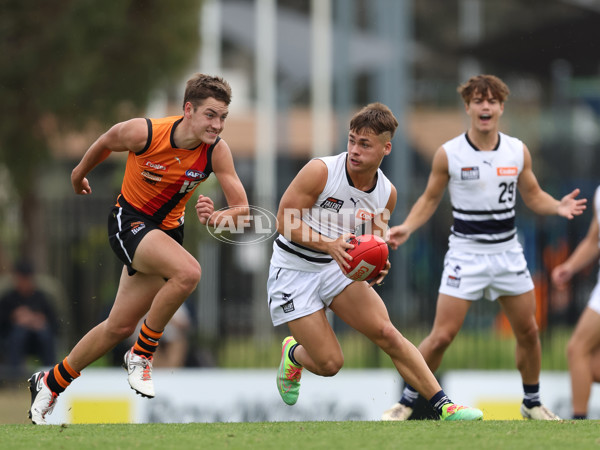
(570, 351)
(573, 349)
(441, 340)
(528, 336)
(391, 341)
(188, 278)
(331, 367)
(387, 336)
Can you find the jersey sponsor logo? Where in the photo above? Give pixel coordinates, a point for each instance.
(136, 227)
(155, 165)
(469, 173)
(195, 174)
(453, 281)
(361, 214)
(333, 204)
(507, 171)
(151, 177)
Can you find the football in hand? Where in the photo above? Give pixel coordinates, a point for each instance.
(370, 254)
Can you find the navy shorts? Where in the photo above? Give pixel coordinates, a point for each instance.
(127, 228)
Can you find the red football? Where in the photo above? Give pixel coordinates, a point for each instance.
(370, 254)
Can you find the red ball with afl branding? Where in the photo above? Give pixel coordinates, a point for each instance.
(370, 254)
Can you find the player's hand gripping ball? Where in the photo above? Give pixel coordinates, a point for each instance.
(370, 254)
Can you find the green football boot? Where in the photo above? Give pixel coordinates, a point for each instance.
(288, 375)
(452, 411)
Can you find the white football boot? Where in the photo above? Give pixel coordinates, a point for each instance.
(139, 373)
(43, 399)
(397, 412)
(538, 413)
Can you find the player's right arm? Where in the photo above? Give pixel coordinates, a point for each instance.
(301, 195)
(131, 135)
(584, 254)
(427, 203)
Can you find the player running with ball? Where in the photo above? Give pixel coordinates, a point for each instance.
(330, 200)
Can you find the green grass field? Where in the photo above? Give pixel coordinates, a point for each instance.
(410, 435)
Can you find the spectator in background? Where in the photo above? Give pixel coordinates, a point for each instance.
(583, 350)
(28, 321)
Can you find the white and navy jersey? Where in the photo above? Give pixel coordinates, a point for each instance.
(483, 192)
(339, 209)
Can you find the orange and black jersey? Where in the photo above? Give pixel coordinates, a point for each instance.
(160, 178)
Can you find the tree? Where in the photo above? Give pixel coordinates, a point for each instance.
(73, 62)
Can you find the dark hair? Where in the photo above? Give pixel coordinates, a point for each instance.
(23, 267)
(201, 86)
(376, 118)
(482, 84)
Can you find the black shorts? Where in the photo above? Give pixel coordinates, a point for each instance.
(126, 229)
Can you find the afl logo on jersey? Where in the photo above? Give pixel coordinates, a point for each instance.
(469, 173)
(195, 174)
(332, 203)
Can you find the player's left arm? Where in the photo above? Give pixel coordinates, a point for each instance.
(233, 189)
(539, 201)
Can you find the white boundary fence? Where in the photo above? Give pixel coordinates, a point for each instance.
(215, 395)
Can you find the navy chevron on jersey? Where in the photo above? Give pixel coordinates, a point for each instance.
(340, 208)
(483, 192)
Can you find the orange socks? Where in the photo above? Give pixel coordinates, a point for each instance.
(61, 377)
(147, 341)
